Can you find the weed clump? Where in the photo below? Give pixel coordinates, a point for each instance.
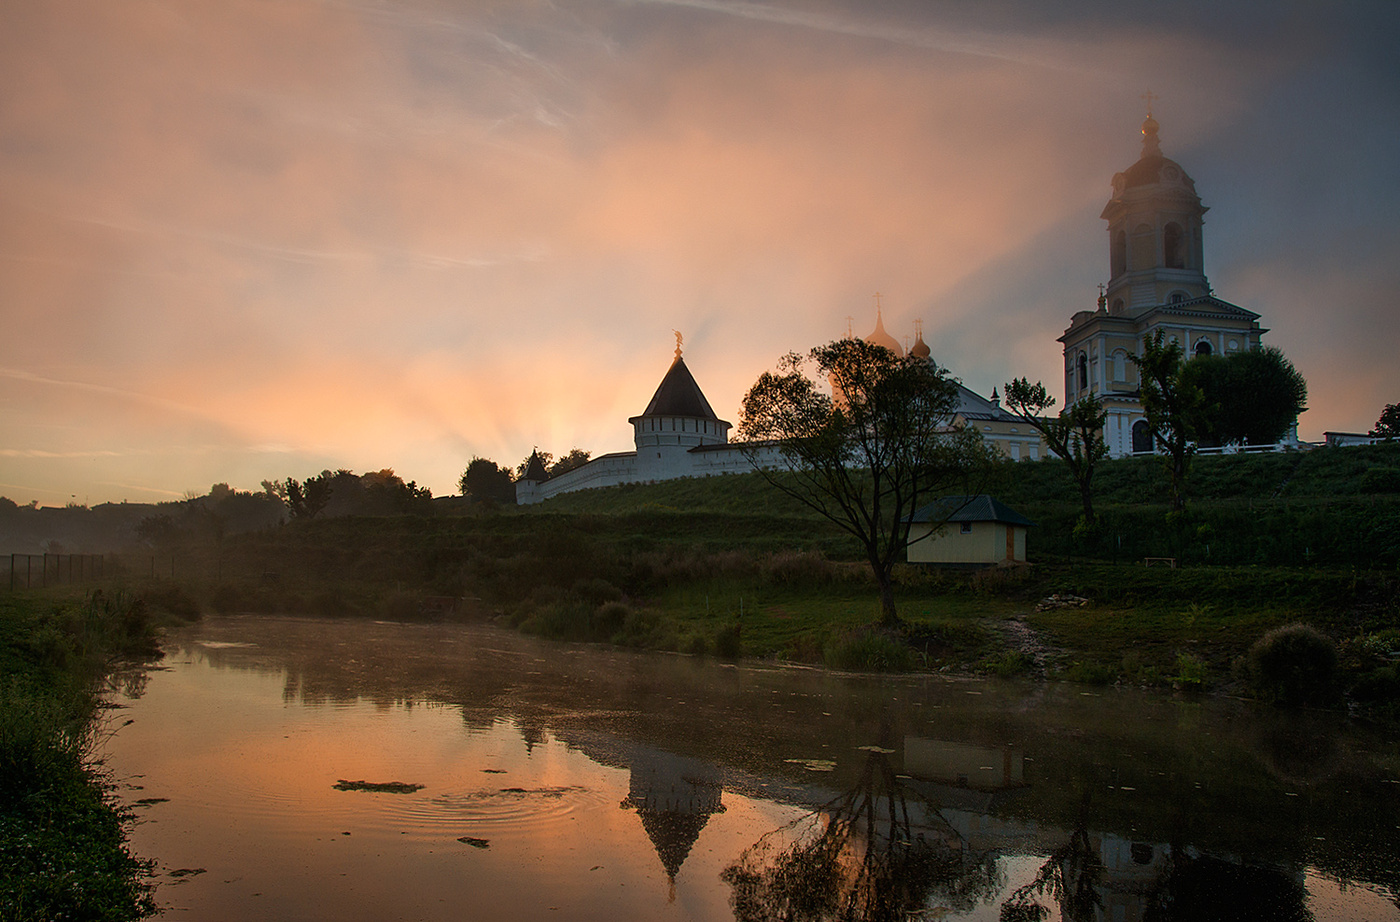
(868, 649)
(1293, 666)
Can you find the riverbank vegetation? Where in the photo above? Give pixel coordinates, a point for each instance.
(729, 566)
(63, 851)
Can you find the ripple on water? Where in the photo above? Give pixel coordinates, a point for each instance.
(520, 810)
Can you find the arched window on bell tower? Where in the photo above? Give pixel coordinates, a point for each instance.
(1173, 247)
(1083, 371)
(1118, 253)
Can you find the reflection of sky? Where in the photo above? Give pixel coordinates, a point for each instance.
(554, 754)
(247, 239)
(251, 799)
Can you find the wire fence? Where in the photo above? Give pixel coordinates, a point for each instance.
(36, 571)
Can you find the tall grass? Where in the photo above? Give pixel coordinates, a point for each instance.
(63, 844)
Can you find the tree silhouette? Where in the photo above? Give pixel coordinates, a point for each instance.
(1075, 436)
(857, 859)
(865, 454)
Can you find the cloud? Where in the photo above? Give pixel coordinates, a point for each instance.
(349, 234)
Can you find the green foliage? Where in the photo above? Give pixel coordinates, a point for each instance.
(484, 482)
(1007, 664)
(1171, 402)
(62, 838)
(868, 649)
(1191, 672)
(1075, 436)
(1090, 673)
(1251, 397)
(1293, 666)
(1388, 426)
(864, 455)
(728, 641)
(1381, 480)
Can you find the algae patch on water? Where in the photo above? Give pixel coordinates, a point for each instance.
(475, 842)
(380, 787)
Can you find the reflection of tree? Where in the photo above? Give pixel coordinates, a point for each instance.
(1205, 889)
(858, 859)
(1070, 876)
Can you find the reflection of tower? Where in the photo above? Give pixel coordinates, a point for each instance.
(675, 797)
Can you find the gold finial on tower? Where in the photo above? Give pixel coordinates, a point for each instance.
(850, 332)
(1150, 145)
(877, 304)
(678, 342)
(1103, 297)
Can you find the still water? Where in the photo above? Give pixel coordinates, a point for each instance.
(298, 769)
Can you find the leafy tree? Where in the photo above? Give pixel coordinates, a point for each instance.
(1075, 436)
(576, 458)
(1388, 426)
(1250, 398)
(864, 455)
(306, 500)
(1172, 405)
(484, 482)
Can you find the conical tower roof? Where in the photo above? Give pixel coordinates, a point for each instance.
(679, 395)
(534, 470)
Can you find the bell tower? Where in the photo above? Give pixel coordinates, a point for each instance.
(1154, 233)
(1156, 281)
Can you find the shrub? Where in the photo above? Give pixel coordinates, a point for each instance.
(172, 600)
(609, 619)
(868, 650)
(727, 642)
(1381, 480)
(1010, 663)
(1091, 673)
(597, 591)
(1293, 666)
(1190, 672)
(801, 568)
(1379, 685)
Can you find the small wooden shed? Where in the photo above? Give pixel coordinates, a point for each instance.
(967, 531)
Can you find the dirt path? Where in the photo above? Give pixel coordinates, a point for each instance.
(1024, 639)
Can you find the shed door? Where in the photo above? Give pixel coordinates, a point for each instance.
(1011, 543)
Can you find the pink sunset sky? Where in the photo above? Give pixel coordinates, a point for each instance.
(258, 238)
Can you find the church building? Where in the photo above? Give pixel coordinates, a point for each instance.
(677, 435)
(1157, 281)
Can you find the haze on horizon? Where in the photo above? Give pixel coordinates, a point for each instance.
(260, 238)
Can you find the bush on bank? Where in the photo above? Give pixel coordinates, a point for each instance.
(63, 850)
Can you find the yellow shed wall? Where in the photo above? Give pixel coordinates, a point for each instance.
(986, 543)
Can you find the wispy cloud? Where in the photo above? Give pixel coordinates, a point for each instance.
(1003, 46)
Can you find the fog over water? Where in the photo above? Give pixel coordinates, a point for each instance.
(300, 769)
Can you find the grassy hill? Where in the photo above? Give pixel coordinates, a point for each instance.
(1329, 507)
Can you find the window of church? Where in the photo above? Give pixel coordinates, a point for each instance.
(1173, 247)
(1117, 306)
(1203, 348)
(1083, 371)
(1178, 297)
(1142, 437)
(1118, 254)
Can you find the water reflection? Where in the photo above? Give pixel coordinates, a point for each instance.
(613, 785)
(863, 857)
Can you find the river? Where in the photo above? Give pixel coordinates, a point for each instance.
(300, 769)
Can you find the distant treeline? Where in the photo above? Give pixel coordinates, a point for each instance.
(1329, 506)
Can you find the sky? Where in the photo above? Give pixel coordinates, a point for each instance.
(255, 239)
